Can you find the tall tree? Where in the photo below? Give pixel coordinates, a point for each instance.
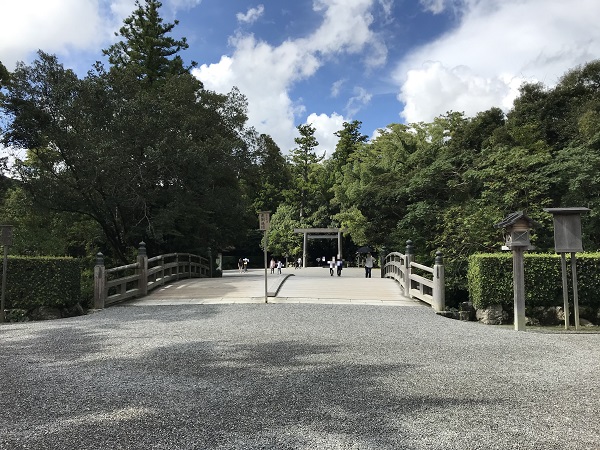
(146, 48)
(304, 162)
(147, 161)
(273, 176)
(350, 138)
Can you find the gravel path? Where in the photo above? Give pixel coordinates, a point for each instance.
(251, 376)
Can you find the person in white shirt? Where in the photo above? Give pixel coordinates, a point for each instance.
(368, 265)
(331, 265)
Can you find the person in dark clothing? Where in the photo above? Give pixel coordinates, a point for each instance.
(339, 264)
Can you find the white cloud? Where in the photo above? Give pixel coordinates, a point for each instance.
(386, 6)
(55, 26)
(436, 89)
(252, 15)
(497, 45)
(67, 28)
(178, 5)
(336, 87)
(434, 6)
(361, 98)
(266, 73)
(325, 126)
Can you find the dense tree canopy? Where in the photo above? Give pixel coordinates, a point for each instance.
(141, 149)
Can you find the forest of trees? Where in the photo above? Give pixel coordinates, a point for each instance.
(140, 150)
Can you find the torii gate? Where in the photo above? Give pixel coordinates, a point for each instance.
(319, 233)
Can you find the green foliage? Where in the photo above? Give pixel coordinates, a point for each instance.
(146, 48)
(282, 239)
(350, 141)
(304, 163)
(42, 281)
(41, 232)
(155, 161)
(490, 280)
(270, 176)
(588, 279)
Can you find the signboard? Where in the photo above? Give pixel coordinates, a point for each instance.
(6, 237)
(264, 218)
(567, 229)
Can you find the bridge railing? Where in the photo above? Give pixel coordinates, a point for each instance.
(136, 280)
(417, 280)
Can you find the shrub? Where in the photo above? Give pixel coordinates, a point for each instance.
(489, 280)
(42, 281)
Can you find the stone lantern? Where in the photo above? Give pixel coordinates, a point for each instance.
(516, 231)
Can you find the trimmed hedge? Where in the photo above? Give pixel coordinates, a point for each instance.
(489, 279)
(42, 281)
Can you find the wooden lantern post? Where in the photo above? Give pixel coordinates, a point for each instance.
(517, 226)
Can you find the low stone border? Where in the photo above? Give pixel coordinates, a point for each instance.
(42, 313)
(538, 316)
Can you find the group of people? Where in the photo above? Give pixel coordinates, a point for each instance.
(275, 264)
(338, 264)
(243, 265)
(335, 265)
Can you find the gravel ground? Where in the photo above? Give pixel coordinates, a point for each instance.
(294, 377)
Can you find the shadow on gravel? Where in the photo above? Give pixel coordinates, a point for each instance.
(206, 394)
(286, 395)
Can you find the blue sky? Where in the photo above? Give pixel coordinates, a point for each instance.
(329, 61)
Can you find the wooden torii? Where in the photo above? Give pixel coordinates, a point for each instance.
(319, 233)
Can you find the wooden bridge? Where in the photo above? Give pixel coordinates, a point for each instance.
(186, 279)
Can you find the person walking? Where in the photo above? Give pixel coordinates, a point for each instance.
(272, 265)
(339, 264)
(240, 265)
(246, 261)
(331, 265)
(368, 265)
(279, 266)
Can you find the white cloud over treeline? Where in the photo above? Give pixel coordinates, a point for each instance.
(266, 73)
(495, 47)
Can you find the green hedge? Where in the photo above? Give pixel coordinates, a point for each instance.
(489, 279)
(42, 281)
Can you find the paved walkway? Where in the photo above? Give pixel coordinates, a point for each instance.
(308, 285)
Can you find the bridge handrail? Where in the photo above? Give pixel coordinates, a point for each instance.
(428, 287)
(136, 280)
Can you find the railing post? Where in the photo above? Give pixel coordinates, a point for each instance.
(408, 258)
(177, 266)
(439, 289)
(99, 282)
(210, 262)
(142, 261)
(189, 265)
(162, 270)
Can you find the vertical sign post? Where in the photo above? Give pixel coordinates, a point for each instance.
(567, 239)
(6, 239)
(264, 218)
